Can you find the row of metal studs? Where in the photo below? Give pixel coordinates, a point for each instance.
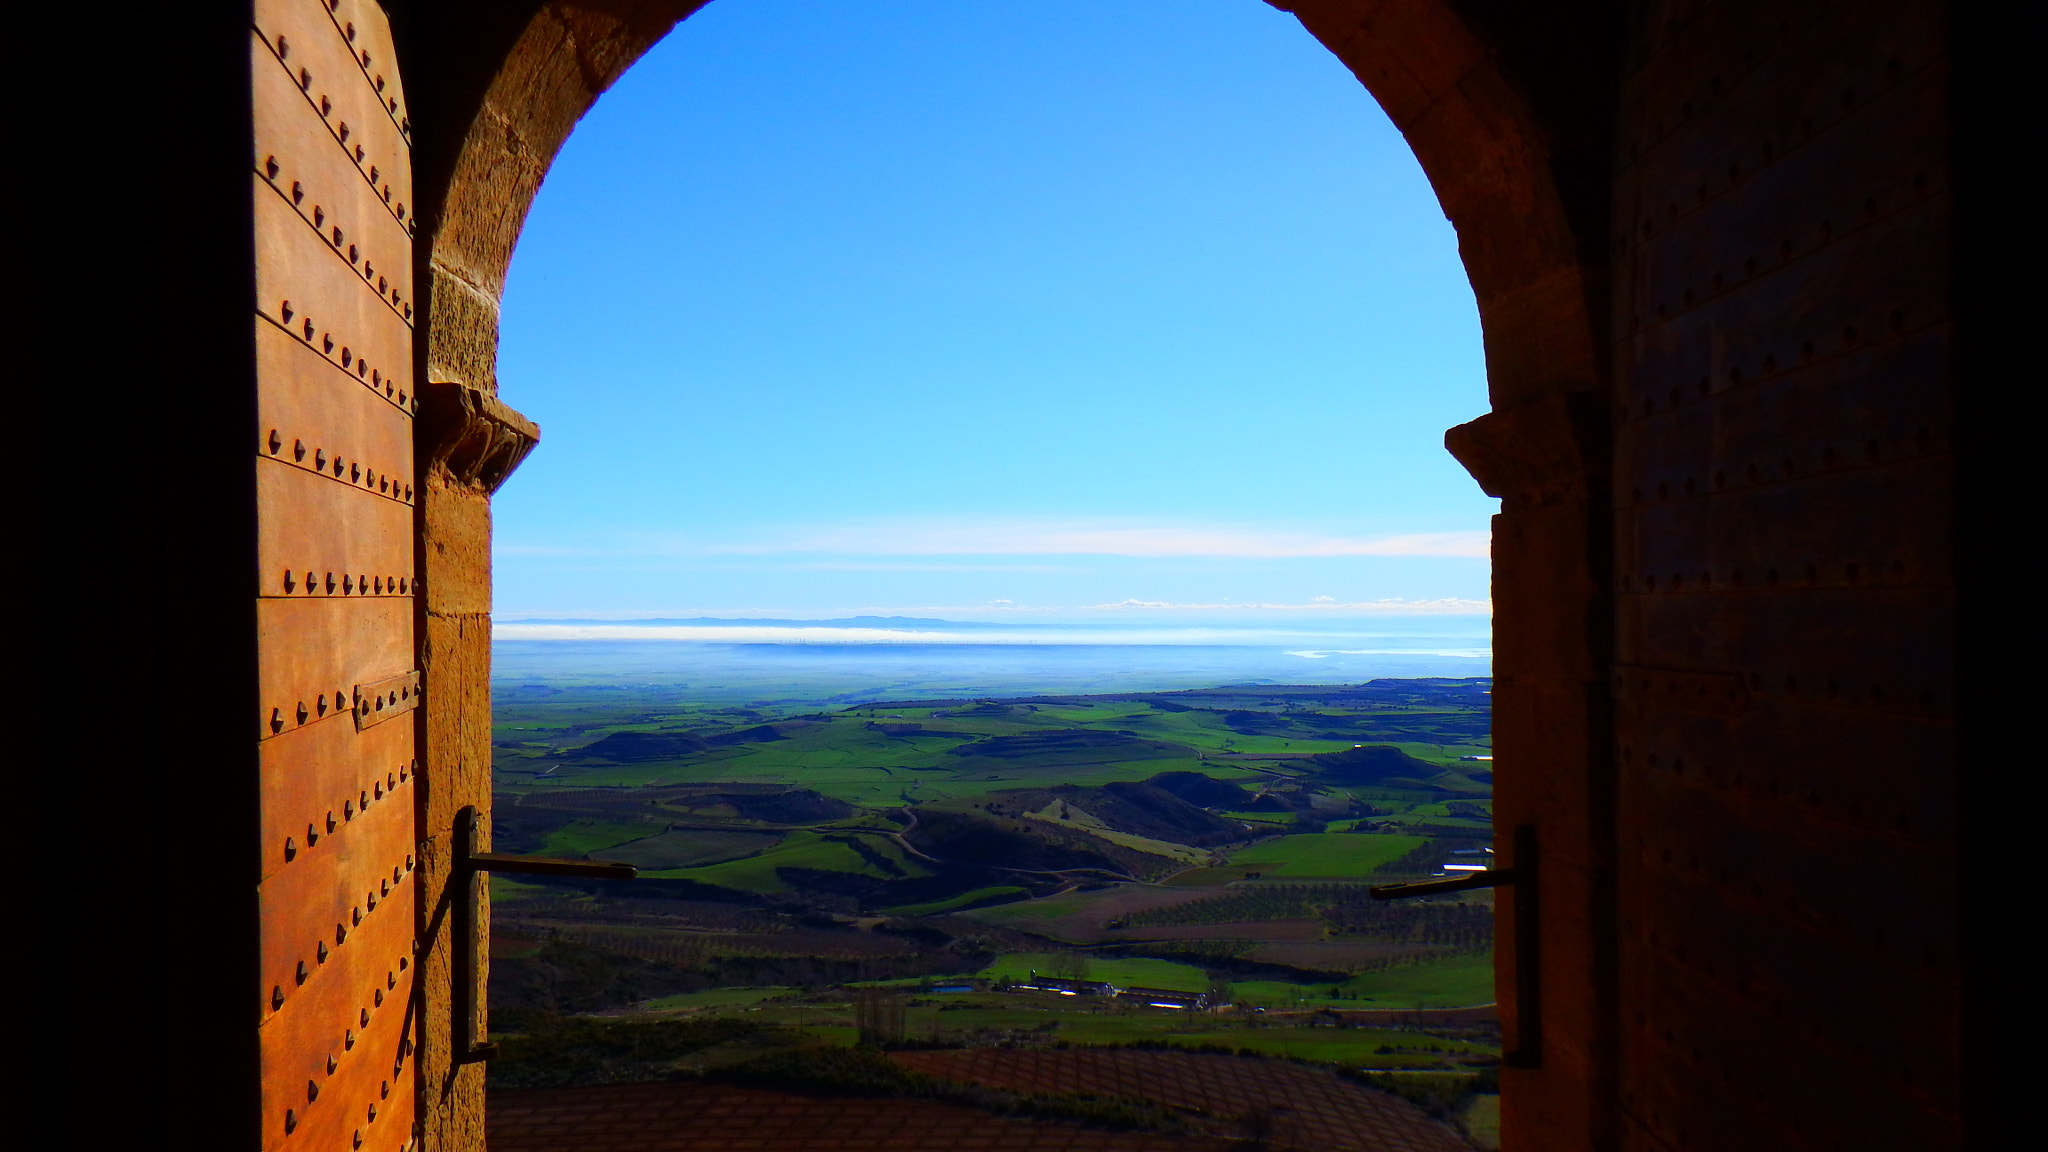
(371, 479)
(371, 378)
(357, 154)
(377, 791)
(348, 1043)
(348, 33)
(305, 715)
(350, 585)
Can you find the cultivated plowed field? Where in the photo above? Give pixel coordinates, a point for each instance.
(1302, 1108)
(1083, 917)
(715, 1118)
(1300, 928)
(1339, 955)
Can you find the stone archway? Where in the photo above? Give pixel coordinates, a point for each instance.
(1513, 144)
(1744, 270)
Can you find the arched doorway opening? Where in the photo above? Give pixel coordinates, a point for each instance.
(904, 310)
(1796, 206)
(1514, 190)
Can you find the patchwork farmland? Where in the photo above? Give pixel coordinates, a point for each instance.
(798, 862)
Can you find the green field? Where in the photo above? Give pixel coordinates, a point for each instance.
(1457, 982)
(1481, 1121)
(580, 837)
(1060, 917)
(1138, 972)
(1357, 1047)
(871, 755)
(505, 890)
(1048, 908)
(1453, 983)
(713, 998)
(1324, 854)
(687, 849)
(1087, 1020)
(967, 899)
(796, 852)
(758, 873)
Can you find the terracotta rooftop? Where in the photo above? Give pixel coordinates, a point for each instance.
(1307, 1109)
(693, 1117)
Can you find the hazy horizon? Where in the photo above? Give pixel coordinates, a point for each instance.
(883, 657)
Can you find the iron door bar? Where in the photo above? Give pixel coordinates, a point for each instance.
(1520, 875)
(470, 865)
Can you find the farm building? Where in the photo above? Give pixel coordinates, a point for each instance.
(1165, 998)
(1066, 987)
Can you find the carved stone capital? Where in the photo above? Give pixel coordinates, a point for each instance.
(472, 436)
(1539, 452)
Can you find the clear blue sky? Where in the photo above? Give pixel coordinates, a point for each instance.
(977, 309)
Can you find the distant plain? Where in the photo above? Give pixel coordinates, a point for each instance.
(936, 823)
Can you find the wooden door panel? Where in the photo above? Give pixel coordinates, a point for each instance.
(363, 25)
(318, 536)
(339, 97)
(316, 653)
(336, 531)
(1784, 793)
(305, 286)
(312, 415)
(312, 773)
(331, 891)
(341, 1045)
(321, 182)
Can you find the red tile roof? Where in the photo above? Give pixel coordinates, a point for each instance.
(1308, 1108)
(1304, 1109)
(695, 1117)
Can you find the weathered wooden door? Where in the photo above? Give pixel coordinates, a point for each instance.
(1785, 793)
(336, 1007)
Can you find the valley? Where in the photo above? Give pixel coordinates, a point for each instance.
(1185, 868)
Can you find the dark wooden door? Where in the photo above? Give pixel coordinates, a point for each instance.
(1788, 856)
(335, 578)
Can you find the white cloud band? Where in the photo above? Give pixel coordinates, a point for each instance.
(1040, 539)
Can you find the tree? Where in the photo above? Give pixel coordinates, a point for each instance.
(878, 1013)
(1069, 966)
(1220, 990)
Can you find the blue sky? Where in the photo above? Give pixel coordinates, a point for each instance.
(998, 310)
